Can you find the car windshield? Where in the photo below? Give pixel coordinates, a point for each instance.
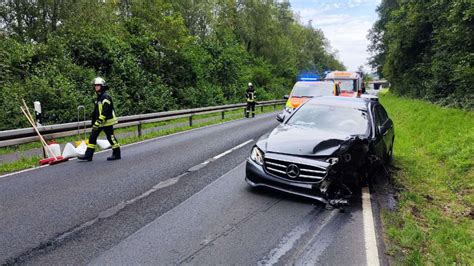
(334, 119)
(312, 89)
(347, 85)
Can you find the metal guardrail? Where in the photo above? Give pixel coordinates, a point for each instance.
(26, 135)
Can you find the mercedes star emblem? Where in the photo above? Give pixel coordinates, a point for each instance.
(292, 171)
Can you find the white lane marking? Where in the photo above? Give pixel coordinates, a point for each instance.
(371, 250)
(203, 164)
(22, 171)
(290, 239)
(231, 150)
(135, 143)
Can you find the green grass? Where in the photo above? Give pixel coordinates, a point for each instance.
(22, 163)
(434, 158)
(29, 162)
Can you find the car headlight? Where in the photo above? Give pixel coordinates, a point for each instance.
(257, 155)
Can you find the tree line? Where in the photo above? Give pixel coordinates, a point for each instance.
(426, 49)
(156, 55)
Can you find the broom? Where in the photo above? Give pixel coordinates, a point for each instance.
(52, 160)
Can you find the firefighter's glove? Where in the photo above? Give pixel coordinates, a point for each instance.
(95, 126)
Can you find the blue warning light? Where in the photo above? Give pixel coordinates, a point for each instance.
(308, 76)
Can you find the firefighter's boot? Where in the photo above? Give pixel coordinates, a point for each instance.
(88, 155)
(115, 155)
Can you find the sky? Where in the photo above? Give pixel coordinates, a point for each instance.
(345, 23)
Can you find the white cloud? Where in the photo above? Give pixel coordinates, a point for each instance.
(345, 26)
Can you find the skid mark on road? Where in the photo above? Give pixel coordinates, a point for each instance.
(289, 241)
(207, 242)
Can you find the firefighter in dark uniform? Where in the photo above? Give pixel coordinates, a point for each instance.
(104, 119)
(251, 96)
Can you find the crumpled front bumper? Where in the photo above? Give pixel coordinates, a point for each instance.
(256, 177)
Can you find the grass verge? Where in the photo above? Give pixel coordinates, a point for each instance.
(434, 158)
(29, 162)
(22, 163)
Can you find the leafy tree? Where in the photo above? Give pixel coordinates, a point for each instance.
(156, 55)
(425, 49)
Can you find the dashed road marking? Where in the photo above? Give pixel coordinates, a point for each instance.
(371, 250)
(203, 164)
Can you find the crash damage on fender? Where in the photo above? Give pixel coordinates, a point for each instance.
(352, 164)
(317, 162)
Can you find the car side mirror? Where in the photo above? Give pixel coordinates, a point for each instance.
(286, 97)
(382, 129)
(280, 118)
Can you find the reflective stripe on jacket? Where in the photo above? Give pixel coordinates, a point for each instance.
(104, 112)
(250, 96)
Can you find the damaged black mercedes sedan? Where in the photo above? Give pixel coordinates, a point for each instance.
(325, 149)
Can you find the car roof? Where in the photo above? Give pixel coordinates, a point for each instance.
(356, 103)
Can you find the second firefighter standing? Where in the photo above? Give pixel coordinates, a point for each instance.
(251, 100)
(103, 119)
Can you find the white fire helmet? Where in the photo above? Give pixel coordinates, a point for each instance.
(98, 81)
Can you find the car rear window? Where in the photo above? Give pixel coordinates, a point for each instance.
(336, 119)
(312, 89)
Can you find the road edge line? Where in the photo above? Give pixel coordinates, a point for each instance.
(371, 249)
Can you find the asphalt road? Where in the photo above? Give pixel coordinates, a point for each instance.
(166, 202)
(229, 223)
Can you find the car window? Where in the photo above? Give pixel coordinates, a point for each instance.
(380, 115)
(312, 89)
(383, 113)
(334, 119)
(347, 85)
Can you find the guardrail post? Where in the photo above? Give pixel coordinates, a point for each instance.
(223, 114)
(261, 109)
(274, 106)
(139, 129)
(191, 120)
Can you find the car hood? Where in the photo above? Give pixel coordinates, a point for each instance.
(301, 141)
